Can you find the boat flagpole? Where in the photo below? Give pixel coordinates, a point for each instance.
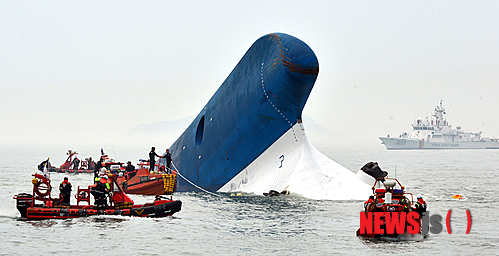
(46, 169)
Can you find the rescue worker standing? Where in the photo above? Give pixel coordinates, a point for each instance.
(420, 205)
(168, 158)
(76, 163)
(100, 190)
(65, 189)
(97, 167)
(152, 158)
(91, 164)
(101, 173)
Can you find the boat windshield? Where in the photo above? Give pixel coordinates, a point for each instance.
(116, 187)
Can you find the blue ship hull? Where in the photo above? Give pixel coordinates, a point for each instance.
(261, 100)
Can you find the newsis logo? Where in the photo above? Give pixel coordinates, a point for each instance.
(379, 223)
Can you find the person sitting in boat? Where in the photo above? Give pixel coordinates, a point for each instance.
(100, 190)
(420, 205)
(130, 170)
(379, 204)
(368, 203)
(65, 189)
(405, 204)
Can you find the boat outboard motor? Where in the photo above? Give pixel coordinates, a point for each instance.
(23, 202)
(374, 170)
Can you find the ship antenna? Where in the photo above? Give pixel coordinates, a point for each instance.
(450, 105)
(115, 156)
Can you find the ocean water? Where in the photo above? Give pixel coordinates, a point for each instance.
(257, 225)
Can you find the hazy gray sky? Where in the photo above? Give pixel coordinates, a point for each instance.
(92, 70)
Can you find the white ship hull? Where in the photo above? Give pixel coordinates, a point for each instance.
(293, 164)
(403, 143)
(436, 133)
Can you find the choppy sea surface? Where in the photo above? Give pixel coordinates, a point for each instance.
(256, 225)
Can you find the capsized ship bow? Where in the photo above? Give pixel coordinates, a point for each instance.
(249, 136)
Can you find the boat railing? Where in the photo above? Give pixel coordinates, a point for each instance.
(144, 164)
(83, 195)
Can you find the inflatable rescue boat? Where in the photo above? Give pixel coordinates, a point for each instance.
(40, 205)
(388, 214)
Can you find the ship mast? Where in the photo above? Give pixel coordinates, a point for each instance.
(439, 115)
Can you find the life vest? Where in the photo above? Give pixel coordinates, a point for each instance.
(368, 202)
(421, 205)
(105, 183)
(98, 189)
(380, 203)
(65, 187)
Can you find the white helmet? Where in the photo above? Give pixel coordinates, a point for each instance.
(419, 196)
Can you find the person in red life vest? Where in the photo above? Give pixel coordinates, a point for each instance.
(420, 205)
(368, 203)
(65, 189)
(379, 204)
(100, 190)
(91, 164)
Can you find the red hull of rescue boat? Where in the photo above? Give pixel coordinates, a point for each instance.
(144, 183)
(160, 208)
(154, 186)
(59, 170)
(392, 199)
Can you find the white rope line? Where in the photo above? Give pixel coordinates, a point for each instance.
(198, 187)
(272, 104)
